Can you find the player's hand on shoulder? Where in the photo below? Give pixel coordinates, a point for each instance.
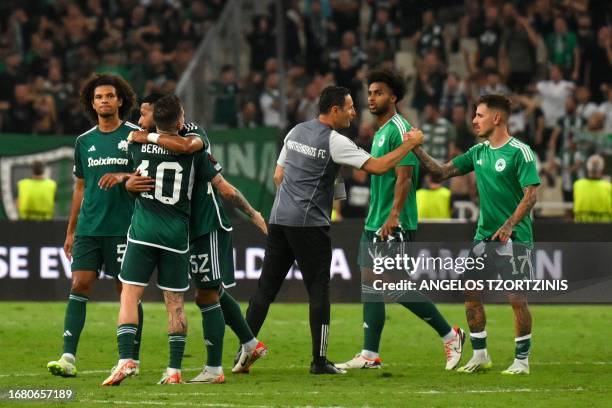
(259, 222)
(415, 137)
(138, 136)
(139, 184)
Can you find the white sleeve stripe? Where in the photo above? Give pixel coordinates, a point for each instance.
(527, 155)
(133, 126)
(400, 125)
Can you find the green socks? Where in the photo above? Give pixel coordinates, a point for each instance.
(373, 324)
(234, 318)
(522, 347)
(424, 308)
(479, 340)
(138, 332)
(176, 341)
(213, 326)
(126, 333)
(74, 321)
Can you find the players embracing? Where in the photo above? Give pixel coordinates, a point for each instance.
(211, 249)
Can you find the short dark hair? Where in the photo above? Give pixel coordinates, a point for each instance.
(122, 87)
(392, 79)
(38, 168)
(167, 112)
(494, 101)
(332, 96)
(152, 98)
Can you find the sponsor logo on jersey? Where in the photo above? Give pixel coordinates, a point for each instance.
(479, 162)
(381, 141)
(500, 165)
(123, 145)
(107, 161)
(92, 148)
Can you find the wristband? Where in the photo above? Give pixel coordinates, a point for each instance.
(152, 138)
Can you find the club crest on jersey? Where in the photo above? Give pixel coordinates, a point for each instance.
(123, 145)
(381, 141)
(500, 165)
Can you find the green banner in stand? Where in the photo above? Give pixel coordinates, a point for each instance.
(248, 157)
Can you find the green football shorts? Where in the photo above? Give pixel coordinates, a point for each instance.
(212, 260)
(140, 261)
(90, 253)
(370, 246)
(512, 261)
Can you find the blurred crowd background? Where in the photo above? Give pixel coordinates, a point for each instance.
(553, 58)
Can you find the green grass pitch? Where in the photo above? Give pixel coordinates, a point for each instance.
(571, 361)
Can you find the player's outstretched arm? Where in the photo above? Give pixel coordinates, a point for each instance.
(234, 196)
(77, 199)
(441, 171)
(383, 164)
(524, 208)
(182, 145)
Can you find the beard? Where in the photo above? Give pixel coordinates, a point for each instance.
(380, 110)
(486, 133)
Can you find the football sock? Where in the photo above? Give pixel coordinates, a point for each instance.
(126, 333)
(424, 308)
(214, 370)
(213, 326)
(251, 344)
(138, 332)
(373, 324)
(522, 347)
(234, 318)
(74, 321)
(176, 341)
(69, 357)
(448, 336)
(369, 354)
(479, 343)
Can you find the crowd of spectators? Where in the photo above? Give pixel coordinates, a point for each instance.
(552, 58)
(47, 48)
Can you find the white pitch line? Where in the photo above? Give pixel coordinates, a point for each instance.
(176, 404)
(423, 392)
(292, 366)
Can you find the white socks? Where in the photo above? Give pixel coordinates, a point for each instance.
(369, 354)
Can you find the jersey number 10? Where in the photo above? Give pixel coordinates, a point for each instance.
(159, 181)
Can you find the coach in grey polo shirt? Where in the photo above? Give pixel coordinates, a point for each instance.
(301, 215)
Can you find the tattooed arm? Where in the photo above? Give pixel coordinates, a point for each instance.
(177, 322)
(523, 209)
(234, 196)
(441, 171)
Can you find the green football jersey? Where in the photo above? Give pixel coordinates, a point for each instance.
(501, 175)
(382, 188)
(207, 213)
(161, 216)
(103, 213)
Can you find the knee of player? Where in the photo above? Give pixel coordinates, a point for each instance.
(82, 284)
(207, 296)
